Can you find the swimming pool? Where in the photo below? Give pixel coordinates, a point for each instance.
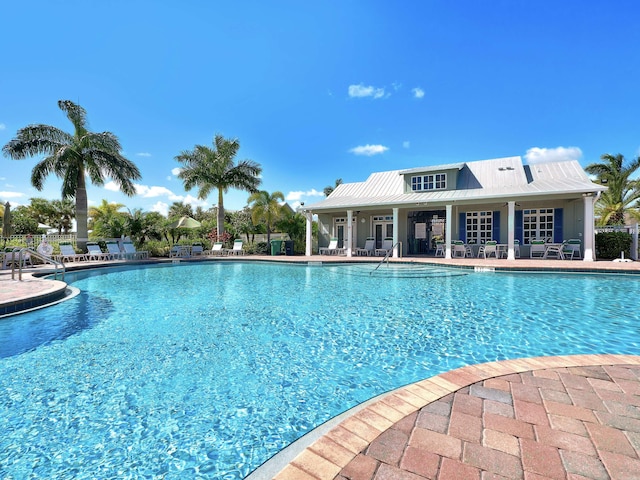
(207, 370)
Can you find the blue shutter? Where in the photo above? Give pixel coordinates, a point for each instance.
(519, 227)
(495, 234)
(558, 235)
(462, 226)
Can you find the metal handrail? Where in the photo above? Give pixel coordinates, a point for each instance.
(33, 253)
(386, 257)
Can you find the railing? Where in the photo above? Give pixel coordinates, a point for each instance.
(386, 257)
(59, 266)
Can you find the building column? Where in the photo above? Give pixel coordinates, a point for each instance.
(349, 232)
(589, 231)
(447, 243)
(511, 222)
(309, 229)
(395, 232)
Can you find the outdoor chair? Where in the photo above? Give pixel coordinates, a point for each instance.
(332, 249)
(488, 249)
(114, 250)
(459, 249)
(516, 248)
(12, 257)
(369, 247)
(197, 250)
(67, 252)
(385, 248)
(537, 249)
(94, 252)
(237, 248)
(554, 250)
(131, 253)
(217, 249)
(572, 249)
(439, 249)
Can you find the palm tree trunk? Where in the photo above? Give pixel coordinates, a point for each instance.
(81, 212)
(220, 225)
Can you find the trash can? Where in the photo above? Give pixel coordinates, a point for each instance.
(276, 247)
(288, 247)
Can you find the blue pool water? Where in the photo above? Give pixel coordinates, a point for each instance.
(206, 371)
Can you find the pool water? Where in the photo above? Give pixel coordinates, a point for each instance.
(207, 370)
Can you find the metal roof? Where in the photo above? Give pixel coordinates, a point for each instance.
(482, 181)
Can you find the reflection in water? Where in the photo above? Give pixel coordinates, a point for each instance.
(21, 333)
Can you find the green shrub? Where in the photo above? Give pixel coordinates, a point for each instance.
(258, 248)
(610, 244)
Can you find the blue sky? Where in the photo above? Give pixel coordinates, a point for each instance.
(317, 91)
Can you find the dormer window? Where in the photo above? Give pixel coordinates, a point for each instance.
(436, 181)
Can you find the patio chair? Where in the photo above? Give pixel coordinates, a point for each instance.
(237, 248)
(12, 257)
(554, 250)
(68, 252)
(369, 247)
(332, 249)
(217, 249)
(572, 249)
(516, 248)
(385, 248)
(130, 252)
(488, 249)
(537, 249)
(94, 252)
(114, 250)
(439, 248)
(459, 249)
(197, 249)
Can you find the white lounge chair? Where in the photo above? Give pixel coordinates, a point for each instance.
(94, 252)
(537, 249)
(488, 249)
(68, 252)
(237, 248)
(13, 258)
(332, 249)
(130, 252)
(385, 248)
(114, 250)
(369, 247)
(217, 248)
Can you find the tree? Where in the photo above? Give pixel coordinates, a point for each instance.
(106, 220)
(622, 194)
(329, 189)
(214, 168)
(72, 158)
(266, 208)
(178, 209)
(63, 214)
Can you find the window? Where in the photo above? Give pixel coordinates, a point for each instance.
(479, 227)
(537, 224)
(437, 181)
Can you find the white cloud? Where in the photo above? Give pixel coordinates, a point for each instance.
(176, 171)
(155, 191)
(297, 196)
(5, 195)
(417, 92)
(143, 154)
(2, 126)
(360, 91)
(161, 207)
(406, 144)
(369, 150)
(111, 186)
(194, 201)
(558, 154)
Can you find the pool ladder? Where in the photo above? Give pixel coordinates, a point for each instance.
(386, 257)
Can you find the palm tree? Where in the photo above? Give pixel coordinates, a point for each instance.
(622, 194)
(72, 158)
(329, 189)
(266, 208)
(209, 168)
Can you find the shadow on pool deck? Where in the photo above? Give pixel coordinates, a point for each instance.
(569, 417)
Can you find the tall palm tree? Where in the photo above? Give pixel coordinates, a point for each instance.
(328, 190)
(214, 168)
(72, 158)
(266, 208)
(622, 194)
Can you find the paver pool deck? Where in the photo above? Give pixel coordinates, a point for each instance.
(568, 417)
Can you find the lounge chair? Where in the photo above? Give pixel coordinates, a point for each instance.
(130, 252)
(332, 249)
(369, 247)
(488, 249)
(67, 252)
(217, 249)
(94, 252)
(197, 250)
(114, 250)
(237, 248)
(537, 249)
(385, 248)
(12, 257)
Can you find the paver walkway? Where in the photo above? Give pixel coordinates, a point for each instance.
(568, 422)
